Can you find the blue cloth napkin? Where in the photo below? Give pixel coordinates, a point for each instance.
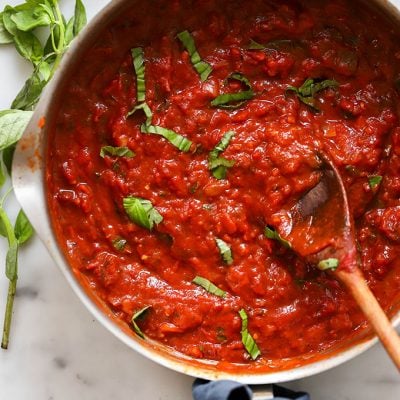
(230, 390)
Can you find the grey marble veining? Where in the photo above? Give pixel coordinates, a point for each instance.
(58, 352)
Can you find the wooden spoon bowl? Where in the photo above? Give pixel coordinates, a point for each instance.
(321, 230)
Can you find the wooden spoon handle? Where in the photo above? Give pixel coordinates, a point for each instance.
(368, 303)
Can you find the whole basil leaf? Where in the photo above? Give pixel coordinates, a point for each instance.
(12, 126)
(44, 70)
(30, 93)
(23, 229)
(69, 31)
(5, 36)
(8, 155)
(31, 18)
(26, 43)
(29, 46)
(79, 17)
(8, 23)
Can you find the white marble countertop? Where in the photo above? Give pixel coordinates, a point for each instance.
(59, 352)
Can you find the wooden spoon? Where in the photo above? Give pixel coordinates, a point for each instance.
(319, 228)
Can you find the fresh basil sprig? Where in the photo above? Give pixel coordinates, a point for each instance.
(18, 27)
(203, 68)
(307, 91)
(219, 165)
(138, 315)
(142, 212)
(16, 236)
(225, 251)
(234, 100)
(248, 341)
(209, 286)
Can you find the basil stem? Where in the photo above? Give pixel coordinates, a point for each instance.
(11, 273)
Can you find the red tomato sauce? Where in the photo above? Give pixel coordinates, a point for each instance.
(294, 310)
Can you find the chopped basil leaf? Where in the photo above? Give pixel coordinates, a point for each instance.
(255, 45)
(309, 89)
(174, 138)
(278, 44)
(136, 316)
(329, 263)
(234, 100)
(138, 64)
(203, 68)
(221, 337)
(249, 343)
(142, 212)
(374, 181)
(274, 235)
(219, 165)
(147, 112)
(119, 244)
(225, 251)
(209, 286)
(116, 151)
(194, 188)
(222, 145)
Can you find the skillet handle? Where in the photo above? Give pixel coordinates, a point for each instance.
(262, 392)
